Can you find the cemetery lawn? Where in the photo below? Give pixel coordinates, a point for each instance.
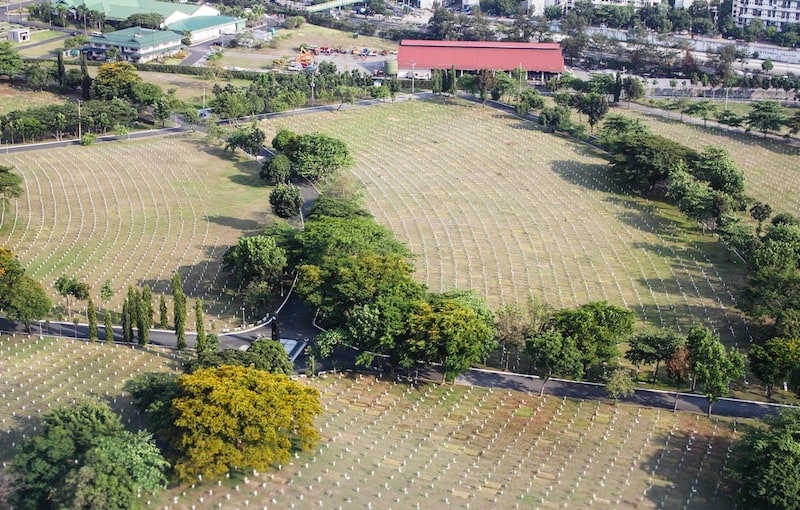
(40, 374)
(134, 213)
(770, 167)
(388, 445)
(490, 203)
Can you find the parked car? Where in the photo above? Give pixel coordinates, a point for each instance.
(295, 66)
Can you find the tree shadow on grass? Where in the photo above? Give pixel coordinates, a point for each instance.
(690, 469)
(247, 226)
(249, 168)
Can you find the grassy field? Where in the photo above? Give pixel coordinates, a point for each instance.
(15, 98)
(487, 202)
(771, 169)
(135, 212)
(40, 374)
(396, 446)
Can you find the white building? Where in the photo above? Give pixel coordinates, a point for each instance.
(772, 12)
(19, 35)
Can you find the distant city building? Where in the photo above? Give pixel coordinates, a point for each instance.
(134, 44)
(777, 13)
(566, 5)
(418, 58)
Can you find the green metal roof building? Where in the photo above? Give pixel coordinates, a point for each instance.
(205, 28)
(134, 44)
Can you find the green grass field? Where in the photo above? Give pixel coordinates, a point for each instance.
(489, 203)
(133, 213)
(771, 169)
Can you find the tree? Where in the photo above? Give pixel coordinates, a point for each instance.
(256, 258)
(632, 88)
(730, 118)
(240, 418)
(653, 348)
(271, 356)
(715, 165)
(597, 328)
(486, 82)
(773, 361)
(144, 314)
(86, 80)
(83, 458)
(595, 107)
(286, 200)
(284, 141)
(249, 138)
(276, 169)
(316, 156)
(70, 287)
(115, 79)
(766, 116)
(106, 291)
(553, 354)
(453, 329)
(108, 326)
(760, 212)
(346, 94)
(92, 316)
(152, 394)
(767, 65)
(179, 311)
(11, 63)
(768, 463)
(10, 184)
(714, 367)
(27, 301)
(619, 384)
(641, 161)
(512, 326)
(678, 368)
(61, 70)
(127, 322)
(703, 109)
(199, 326)
(163, 318)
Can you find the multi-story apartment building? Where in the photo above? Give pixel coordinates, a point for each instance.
(775, 13)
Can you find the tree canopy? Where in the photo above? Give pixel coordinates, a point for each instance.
(316, 156)
(232, 417)
(115, 80)
(11, 62)
(10, 184)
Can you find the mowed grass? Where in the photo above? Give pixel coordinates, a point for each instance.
(43, 374)
(771, 168)
(395, 446)
(487, 202)
(16, 98)
(134, 213)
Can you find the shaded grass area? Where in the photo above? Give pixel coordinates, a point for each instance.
(17, 98)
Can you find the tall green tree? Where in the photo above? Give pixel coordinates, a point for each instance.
(773, 361)
(163, 317)
(91, 314)
(108, 326)
(767, 466)
(619, 384)
(179, 311)
(61, 70)
(127, 322)
(115, 80)
(27, 301)
(315, 156)
(714, 367)
(10, 184)
(11, 63)
(199, 326)
(256, 258)
(86, 79)
(553, 354)
(766, 116)
(72, 288)
(286, 200)
(597, 328)
(486, 83)
(653, 348)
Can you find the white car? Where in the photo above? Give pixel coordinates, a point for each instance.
(295, 66)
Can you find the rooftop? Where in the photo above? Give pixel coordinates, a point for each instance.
(137, 37)
(476, 55)
(122, 9)
(202, 23)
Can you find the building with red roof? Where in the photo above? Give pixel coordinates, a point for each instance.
(419, 58)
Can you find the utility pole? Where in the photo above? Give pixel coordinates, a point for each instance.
(80, 127)
(413, 74)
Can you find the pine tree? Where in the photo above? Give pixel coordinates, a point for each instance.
(179, 311)
(92, 315)
(163, 318)
(109, 326)
(201, 345)
(453, 88)
(127, 324)
(61, 70)
(86, 80)
(144, 315)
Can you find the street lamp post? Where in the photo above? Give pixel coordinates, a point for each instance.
(413, 75)
(242, 317)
